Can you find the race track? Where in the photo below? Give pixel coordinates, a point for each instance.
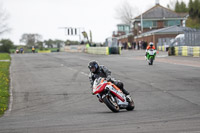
(51, 94)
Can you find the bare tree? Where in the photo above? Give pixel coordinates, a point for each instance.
(3, 20)
(31, 39)
(126, 12)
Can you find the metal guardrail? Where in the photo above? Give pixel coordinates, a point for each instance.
(185, 51)
(93, 50)
(192, 37)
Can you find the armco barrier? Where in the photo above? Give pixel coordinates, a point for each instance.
(44, 51)
(74, 48)
(176, 50)
(97, 50)
(114, 50)
(190, 51)
(196, 51)
(62, 49)
(92, 50)
(185, 51)
(162, 48)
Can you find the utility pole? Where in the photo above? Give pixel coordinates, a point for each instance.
(141, 23)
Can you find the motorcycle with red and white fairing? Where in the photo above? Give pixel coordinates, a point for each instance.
(111, 95)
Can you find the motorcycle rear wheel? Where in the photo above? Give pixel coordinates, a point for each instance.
(112, 105)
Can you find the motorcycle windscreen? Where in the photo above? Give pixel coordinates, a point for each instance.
(99, 88)
(151, 52)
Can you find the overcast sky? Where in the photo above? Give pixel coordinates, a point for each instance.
(46, 16)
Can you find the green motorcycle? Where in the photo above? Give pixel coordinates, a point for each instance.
(150, 56)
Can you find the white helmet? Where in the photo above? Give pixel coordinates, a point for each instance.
(150, 44)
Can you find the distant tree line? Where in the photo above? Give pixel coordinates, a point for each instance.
(6, 45)
(192, 8)
(36, 40)
(194, 11)
(181, 7)
(31, 39)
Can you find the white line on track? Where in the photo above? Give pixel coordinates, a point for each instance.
(161, 56)
(84, 74)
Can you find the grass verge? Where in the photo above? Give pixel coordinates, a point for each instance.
(4, 83)
(4, 56)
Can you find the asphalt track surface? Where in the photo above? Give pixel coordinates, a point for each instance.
(51, 94)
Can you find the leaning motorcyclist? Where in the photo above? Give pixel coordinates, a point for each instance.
(97, 70)
(150, 47)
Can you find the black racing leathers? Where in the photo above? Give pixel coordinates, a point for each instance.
(103, 72)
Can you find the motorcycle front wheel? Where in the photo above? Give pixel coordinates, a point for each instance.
(131, 105)
(151, 61)
(111, 103)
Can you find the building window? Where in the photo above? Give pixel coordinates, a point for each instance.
(154, 23)
(124, 28)
(172, 22)
(120, 28)
(149, 24)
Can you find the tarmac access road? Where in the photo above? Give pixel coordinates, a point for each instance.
(50, 93)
